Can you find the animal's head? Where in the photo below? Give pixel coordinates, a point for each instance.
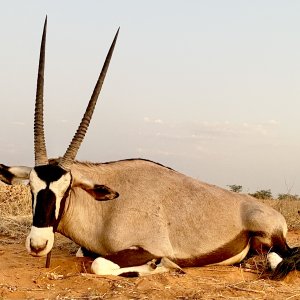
(50, 186)
(51, 181)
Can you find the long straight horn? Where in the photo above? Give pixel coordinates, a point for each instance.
(69, 157)
(39, 137)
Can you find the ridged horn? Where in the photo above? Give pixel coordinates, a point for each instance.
(67, 160)
(40, 152)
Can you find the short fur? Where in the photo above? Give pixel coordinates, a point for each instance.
(168, 208)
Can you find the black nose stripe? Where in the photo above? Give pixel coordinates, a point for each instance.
(44, 214)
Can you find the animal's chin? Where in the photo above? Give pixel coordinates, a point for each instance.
(39, 254)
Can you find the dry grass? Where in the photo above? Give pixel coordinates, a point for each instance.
(290, 209)
(15, 211)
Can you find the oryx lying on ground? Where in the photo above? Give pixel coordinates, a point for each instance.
(139, 216)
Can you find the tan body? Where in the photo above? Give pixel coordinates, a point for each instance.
(165, 213)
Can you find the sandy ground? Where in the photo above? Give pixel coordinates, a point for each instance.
(25, 277)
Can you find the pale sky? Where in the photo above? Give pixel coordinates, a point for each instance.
(208, 88)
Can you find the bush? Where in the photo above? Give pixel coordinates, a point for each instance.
(288, 197)
(235, 188)
(262, 194)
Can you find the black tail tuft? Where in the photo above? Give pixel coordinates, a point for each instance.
(288, 264)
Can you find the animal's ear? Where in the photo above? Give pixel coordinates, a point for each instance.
(99, 192)
(14, 175)
(102, 193)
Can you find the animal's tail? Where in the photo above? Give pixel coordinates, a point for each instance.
(288, 264)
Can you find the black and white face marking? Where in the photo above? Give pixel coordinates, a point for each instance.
(49, 186)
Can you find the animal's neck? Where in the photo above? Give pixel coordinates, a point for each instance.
(82, 220)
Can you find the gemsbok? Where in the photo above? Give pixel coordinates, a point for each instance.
(139, 216)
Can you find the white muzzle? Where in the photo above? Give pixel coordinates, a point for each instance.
(40, 241)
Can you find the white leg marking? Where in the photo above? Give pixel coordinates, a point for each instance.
(102, 266)
(274, 259)
(38, 238)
